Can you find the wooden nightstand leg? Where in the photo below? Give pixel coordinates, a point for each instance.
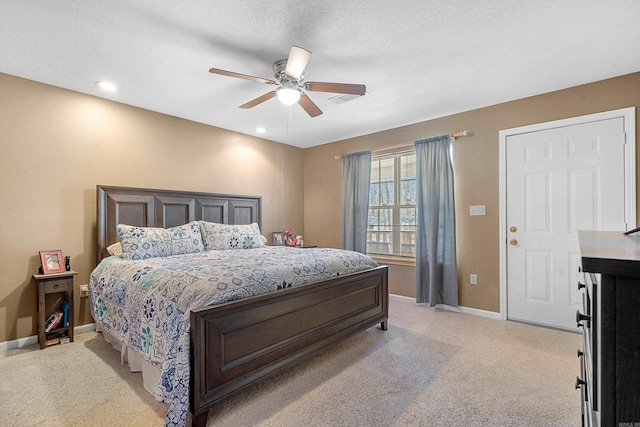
(42, 339)
(71, 302)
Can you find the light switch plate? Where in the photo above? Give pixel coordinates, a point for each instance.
(477, 210)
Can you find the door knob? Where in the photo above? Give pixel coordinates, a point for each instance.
(513, 229)
(513, 242)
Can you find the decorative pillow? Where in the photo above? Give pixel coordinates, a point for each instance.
(226, 236)
(115, 249)
(150, 242)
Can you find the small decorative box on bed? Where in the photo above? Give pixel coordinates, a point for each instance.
(193, 289)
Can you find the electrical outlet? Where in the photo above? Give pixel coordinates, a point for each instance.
(473, 279)
(84, 290)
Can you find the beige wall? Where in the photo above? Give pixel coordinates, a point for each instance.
(57, 145)
(476, 177)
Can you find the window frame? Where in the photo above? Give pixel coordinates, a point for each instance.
(397, 228)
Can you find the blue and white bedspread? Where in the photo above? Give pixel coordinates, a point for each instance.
(146, 303)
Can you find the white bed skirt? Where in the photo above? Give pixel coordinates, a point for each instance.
(150, 373)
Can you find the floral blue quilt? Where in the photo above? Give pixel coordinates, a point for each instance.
(146, 304)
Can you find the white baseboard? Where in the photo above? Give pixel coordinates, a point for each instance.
(84, 328)
(33, 339)
(469, 310)
(402, 297)
(460, 309)
(19, 343)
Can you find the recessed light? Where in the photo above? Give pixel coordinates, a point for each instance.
(109, 87)
(261, 130)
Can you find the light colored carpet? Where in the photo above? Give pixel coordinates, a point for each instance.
(431, 368)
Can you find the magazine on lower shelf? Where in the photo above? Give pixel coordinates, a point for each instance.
(54, 321)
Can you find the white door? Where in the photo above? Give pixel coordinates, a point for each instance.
(558, 181)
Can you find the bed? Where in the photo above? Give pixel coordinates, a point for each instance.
(233, 344)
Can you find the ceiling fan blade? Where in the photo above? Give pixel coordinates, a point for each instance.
(259, 100)
(350, 89)
(297, 62)
(241, 76)
(309, 106)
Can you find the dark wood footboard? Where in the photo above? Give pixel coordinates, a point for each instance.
(235, 344)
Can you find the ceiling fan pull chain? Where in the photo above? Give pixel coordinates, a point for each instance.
(289, 126)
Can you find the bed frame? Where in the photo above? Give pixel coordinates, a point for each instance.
(236, 344)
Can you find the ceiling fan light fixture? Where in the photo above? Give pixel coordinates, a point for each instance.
(288, 95)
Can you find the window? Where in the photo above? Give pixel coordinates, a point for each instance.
(391, 226)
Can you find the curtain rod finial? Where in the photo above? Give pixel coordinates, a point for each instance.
(462, 133)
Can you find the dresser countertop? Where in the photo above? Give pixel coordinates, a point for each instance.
(610, 252)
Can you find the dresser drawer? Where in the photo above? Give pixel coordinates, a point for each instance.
(587, 415)
(587, 317)
(584, 393)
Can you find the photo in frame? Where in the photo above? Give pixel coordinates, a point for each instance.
(277, 238)
(52, 262)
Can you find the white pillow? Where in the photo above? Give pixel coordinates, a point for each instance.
(226, 236)
(115, 249)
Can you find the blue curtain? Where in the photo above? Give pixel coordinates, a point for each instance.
(356, 175)
(436, 268)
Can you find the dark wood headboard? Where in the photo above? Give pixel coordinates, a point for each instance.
(144, 207)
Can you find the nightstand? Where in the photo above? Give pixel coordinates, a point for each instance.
(54, 283)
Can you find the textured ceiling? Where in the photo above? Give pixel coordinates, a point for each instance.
(419, 59)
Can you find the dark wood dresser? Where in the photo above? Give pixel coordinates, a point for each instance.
(609, 377)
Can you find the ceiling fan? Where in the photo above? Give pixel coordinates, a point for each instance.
(288, 74)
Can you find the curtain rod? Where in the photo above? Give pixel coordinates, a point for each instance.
(453, 136)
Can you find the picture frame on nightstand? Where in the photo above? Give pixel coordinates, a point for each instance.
(277, 238)
(52, 262)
